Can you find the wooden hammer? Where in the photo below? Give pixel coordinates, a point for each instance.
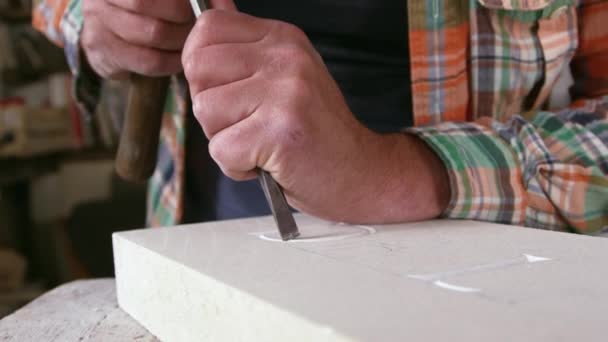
(138, 147)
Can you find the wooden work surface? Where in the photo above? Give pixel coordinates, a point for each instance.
(84, 310)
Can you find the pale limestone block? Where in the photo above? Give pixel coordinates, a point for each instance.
(431, 281)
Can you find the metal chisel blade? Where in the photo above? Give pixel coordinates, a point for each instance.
(198, 6)
(272, 190)
(279, 207)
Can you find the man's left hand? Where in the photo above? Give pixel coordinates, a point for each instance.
(265, 99)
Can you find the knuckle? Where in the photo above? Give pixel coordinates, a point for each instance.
(136, 5)
(189, 61)
(289, 52)
(155, 31)
(295, 87)
(205, 24)
(218, 151)
(194, 70)
(88, 9)
(87, 38)
(151, 64)
(189, 69)
(301, 66)
(289, 131)
(240, 175)
(102, 69)
(92, 36)
(284, 123)
(231, 174)
(292, 59)
(190, 57)
(293, 32)
(202, 107)
(196, 80)
(91, 8)
(299, 57)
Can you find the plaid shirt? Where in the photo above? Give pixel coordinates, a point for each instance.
(512, 96)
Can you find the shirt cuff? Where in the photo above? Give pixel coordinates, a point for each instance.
(485, 180)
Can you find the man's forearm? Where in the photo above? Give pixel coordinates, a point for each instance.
(404, 180)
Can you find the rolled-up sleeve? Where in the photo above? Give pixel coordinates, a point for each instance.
(543, 169)
(61, 21)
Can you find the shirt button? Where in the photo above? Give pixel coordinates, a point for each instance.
(558, 12)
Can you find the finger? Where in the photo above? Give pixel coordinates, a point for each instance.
(90, 39)
(227, 5)
(222, 27)
(239, 176)
(120, 76)
(146, 31)
(103, 67)
(219, 65)
(219, 108)
(235, 149)
(177, 11)
(150, 62)
(141, 60)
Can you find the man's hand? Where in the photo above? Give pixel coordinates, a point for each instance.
(265, 99)
(141, 36)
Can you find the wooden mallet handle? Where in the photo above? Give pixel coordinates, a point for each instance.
(138, 148)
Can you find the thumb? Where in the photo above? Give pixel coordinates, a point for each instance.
(227, 5)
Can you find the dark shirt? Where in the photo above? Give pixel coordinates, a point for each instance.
(365, 46)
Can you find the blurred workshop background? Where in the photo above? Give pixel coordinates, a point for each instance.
(60, 199)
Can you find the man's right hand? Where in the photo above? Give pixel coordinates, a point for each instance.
(141, 36)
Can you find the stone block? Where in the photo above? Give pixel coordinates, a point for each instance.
(430, 281)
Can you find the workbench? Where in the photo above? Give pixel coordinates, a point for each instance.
(84, 310)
